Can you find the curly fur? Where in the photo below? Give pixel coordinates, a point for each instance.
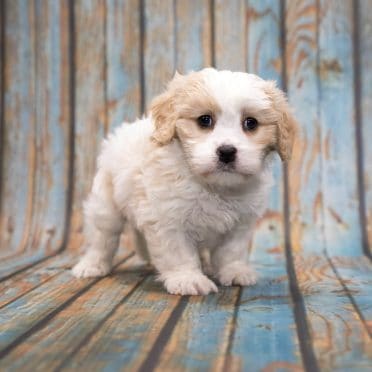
(192, 214)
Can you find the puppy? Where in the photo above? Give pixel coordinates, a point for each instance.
(192, 178)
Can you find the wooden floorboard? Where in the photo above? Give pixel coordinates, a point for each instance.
(339, 338)
(17, 263)
(128, 336)
(126, 321)
(64, 334)
(355, 274)
(25, 281)
(21, 317)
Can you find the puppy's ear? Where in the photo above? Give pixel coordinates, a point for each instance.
(286, 123)
(163, 113)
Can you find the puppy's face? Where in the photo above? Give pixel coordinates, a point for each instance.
(227, 123)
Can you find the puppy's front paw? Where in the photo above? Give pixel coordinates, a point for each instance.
(237, 273)
(187, 283)
(89, 267)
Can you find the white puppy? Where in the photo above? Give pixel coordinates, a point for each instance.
(192, 179)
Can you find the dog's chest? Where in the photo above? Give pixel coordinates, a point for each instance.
(209, 217)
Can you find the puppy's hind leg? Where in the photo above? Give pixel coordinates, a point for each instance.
(103, 226)
(141, 246)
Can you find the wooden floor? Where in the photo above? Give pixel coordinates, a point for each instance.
(316, 318)
(72, 71)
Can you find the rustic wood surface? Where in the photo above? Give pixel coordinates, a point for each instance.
(363, 27)
(71, 71)
(35, 144)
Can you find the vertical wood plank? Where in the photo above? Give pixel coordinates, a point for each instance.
(123, 61)
(305, 180)
(53, 125)
(193, 35)
(264, 58)
(252, 42)
(19, 132)
(159, 46)
(337, 113)
(36, 126)
(364, 19)
(230, 34)
(271, 294)
(90, 103)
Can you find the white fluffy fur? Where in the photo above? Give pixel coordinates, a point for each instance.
(194, 216)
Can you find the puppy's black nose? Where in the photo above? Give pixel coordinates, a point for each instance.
(226, 153)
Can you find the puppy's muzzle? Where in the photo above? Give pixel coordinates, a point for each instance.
(226, 153)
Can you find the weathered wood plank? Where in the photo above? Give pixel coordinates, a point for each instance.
(193, 35)
(312, 151)
(263, 329)
(264, 59)
(230, 42)
(265, 332)
(126, 338)
(356, 276)
(364, 19)
(200, 339)
(35, 306)
(37, 128)
(159, 46)
(25, 281)
(75, 325)
(305, 172)
(337, 114)
(18, 146)
(340, 339)
(90, 102)
(123, 76)
(53, 125)
(18, 262)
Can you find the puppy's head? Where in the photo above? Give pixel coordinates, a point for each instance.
(227, 123)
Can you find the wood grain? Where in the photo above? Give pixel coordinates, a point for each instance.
(25, 281)
(90, 103)
(305, 169)
(264, 59)
(364, 19)
(37, 117)
(230, 42)
(355, 275)
(200, 339)
(339, 337)
(126, 338)
(18, 147)
(123, 61)
(35, 306)
(53, 126)
(75, 324)
(265, 333)
(193, 35)
(337, 114)
(159, 46)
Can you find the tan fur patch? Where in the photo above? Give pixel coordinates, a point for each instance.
(286, 123)
(186, 98)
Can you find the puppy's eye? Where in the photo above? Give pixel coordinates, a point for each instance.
(250, 124)
(205, 121)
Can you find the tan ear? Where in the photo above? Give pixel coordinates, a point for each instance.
(164, 117)
(286, 123)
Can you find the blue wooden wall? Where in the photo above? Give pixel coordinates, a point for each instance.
(73, 70)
